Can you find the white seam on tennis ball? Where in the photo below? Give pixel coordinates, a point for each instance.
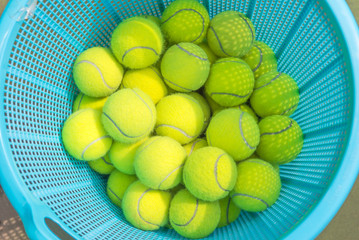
(216, 174)
(248, 26)
(192, 54)
(194, 214)
(98, 69)
(176, 128)
(146, 146)
(242, 134)
(231, 94)
(260, 59)
(187, 89)
(193, 146)
(78, 107)
(289, 109)
(91, 143)
(138, 47)
(138, 208)
(283, 130)
(144, 103)
(108, 163)
(119, 129)
(219, 42)
(115, 194)
(253, 197)
(227, 210)
(277, 76)
(170, 174)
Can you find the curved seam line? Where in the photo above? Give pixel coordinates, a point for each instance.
(149, 108)
(91, 143)
(246, 195)
(227, 212)
(283, 130)
(98, 69)
(288, 110)
(260, 59)
(231, 94)
(187, 89)
(176, 128)
(248, 26)
(115, 194)
(242, 134)
(192, 147)
(120, 129)
(138, 208)
(170, 174)
(194, 214)
(277, 76)
(108, 163)
(228, 61)
(219, 42)
(78, 108)
(149, 48)
(192, 54)
(216, 175)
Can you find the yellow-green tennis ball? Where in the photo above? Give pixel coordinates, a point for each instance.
(230, 82)
(229, 211)
(261, 59)
(137, 42)
(154, 19)
(191, 217)
(276, 168)
(245, 108)
(185, 67)
(180, 117)
(146, 208)
(117, 185)
(257, 187)
(275, 94)
(209, 173)
(129, 115)
(196, 144)
(149, 80)
(215, 107)
(185, 21)
(235, 132)
(281, 139)
(97, 73)
(205, 107)
(102, 165)
(210, 54)
(82, 101)
(122, 155)
(159, 162)
(84, 137)
(230, 33)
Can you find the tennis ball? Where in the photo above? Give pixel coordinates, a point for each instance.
(230, 82)
(129, 115)
(137, 42)
(117, 184)
(261, 59)
(84, 137)
(211, 56)
(185, 21)
(196, 144)
(191, 217)
(154, 19)
(82, 101)
(149, 80)
(229, 211)
(209, 173)
(205, 107)
(102, 165)
(275, 94)
(230, 33)
(180, 117)
(185, 67)
(257, 187)
(215, 107)
(281, 139)
(235, 132)
(122, 155)
(146, 208)
(246, 108)
(159, 162)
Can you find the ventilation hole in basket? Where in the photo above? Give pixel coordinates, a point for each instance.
(57, 230)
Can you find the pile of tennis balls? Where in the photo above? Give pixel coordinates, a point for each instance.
(188, 116)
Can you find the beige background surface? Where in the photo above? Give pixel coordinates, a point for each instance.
(345, 225)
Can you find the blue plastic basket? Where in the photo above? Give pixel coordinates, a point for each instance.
(316, 42)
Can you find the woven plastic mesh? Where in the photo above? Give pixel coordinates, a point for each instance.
(39, 93)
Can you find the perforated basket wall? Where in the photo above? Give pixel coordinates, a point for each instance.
(37, 93)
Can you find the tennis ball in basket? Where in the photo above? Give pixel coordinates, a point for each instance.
(185, 21)
(192, 217)
(234, 131)
(185, 67)
(196, 144)
(97, 73)
(246, 108)
(102, 165)
(137, 42)
(159, 162)
(82, 101)
(146, 208)
(209, 173)
(230, 82)
(180, 117)
(230, 34)
(275, 94)
(205, 107)
(117, 185)
(229, 211)
(211, 56)
(281, 139)
(84, 137)
(129, 115)
(149, 80)
(261, 59)
(257, 187)
(122, 155)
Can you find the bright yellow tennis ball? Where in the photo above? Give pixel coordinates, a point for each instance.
(229, 211)
(149, 80)
(97, 73)
(185, 21)
(159, 162)
(137, 42)
(210, 54)
(196, 144)
(205, 107)
(117, 185)
(82, 101)
(191, 217)
(257, 186)
(122, 155)
(102, 165)
(180, 117)
(209, 173)
(146, 208)
(84, 137)
(246, 108)
(129, 115)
